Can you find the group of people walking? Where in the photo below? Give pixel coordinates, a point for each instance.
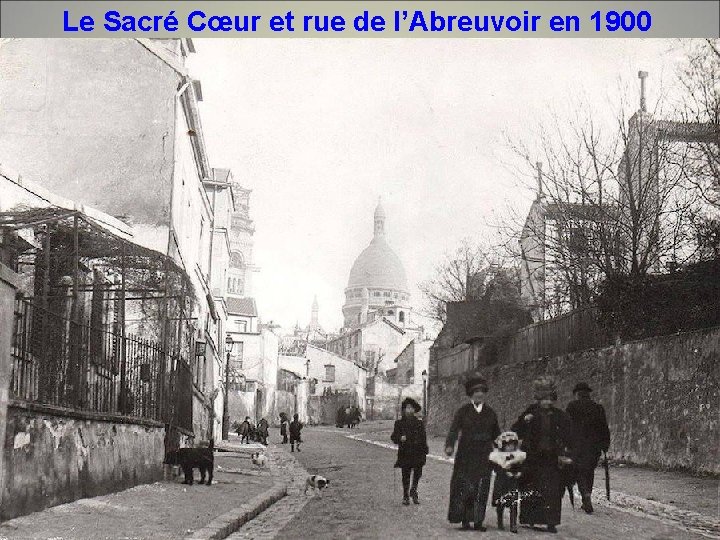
(248, 432)
(348, 417)
(547, 450)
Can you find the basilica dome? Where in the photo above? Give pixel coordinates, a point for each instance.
(378, 266)
(377, 283)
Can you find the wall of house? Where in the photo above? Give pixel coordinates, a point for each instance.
(8, 286)
(113, 99)
(241, 404)
(386, 341)
(50, 459)
(661, 395)
(347, 374)
(323, 409)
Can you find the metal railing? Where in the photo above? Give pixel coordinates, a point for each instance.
(63, 363)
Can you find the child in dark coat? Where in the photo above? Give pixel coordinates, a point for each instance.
(506, 462)
(295, 428)
(284, 427)
(409, 435)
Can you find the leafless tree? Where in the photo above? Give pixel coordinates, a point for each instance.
(699, 108)
(610, 202)
(469, 272)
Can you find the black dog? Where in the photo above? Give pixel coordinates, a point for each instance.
(193, 458)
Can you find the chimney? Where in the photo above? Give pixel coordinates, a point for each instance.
(538, 166)
(642, 75)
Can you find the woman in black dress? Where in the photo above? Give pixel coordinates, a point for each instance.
(547, 438)
(477, 426)
(409, 435)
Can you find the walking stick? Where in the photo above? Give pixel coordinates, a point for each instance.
(606, 466)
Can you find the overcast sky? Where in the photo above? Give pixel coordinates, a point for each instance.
(319, 129)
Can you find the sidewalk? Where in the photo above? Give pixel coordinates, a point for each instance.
(694, 501)
(163, 510)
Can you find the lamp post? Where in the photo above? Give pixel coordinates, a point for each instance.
(424, 405)
(229, 343)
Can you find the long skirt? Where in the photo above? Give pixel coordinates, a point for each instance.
(542, 492)
(468, 498)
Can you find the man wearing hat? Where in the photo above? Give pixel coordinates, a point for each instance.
(592, 438)
(474, 427)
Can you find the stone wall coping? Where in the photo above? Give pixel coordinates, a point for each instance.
(83, 415)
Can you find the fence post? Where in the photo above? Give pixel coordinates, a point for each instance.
(8, 287)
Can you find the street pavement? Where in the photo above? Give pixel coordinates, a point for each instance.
(364, 500)
(163, 510)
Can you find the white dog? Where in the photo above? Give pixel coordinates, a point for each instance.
(259, 459)
(316, 483)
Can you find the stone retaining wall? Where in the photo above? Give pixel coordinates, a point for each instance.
(662, 396)
(53, 457)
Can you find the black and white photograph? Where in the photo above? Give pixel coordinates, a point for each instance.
(359, 288)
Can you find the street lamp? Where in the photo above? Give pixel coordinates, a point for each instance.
(424, 379)
(229, 343)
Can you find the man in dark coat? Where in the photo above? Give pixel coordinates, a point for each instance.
(295, 427)
(409, 434)
(592, 438)
(547, 439)
(477, 427)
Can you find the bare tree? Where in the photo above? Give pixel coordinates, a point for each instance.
(467, 273)
(610, 202)
(699, 110)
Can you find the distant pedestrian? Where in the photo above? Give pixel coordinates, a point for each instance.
(295, 428)
(340, 418)
(348, 417)
(592, 437)
(263, 431)
(477, 426)
(355, 416)
(409, 434)
(245, 431)
(284, 425)
(547, 439)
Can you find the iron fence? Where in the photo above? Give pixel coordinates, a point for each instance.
(58, 361)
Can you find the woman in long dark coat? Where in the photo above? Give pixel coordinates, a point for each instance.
(547, 439)
(409, 435)
(477, 427)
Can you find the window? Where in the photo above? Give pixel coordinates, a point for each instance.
(237, 355)
(391, 312)
(386, 293)
(242, 326)
(329, 373)
(395, 295)
(401, 316)
(237, 260)
(376, 293)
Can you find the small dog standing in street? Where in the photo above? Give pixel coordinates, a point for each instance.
(259, 459)
(316, 483)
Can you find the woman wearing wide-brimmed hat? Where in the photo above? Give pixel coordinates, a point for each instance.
(409, 435)
(477, 426)
(547, 439)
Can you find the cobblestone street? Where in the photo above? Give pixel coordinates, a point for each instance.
(364, 501)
